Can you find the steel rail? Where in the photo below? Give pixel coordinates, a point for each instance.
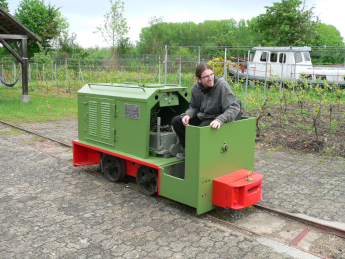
(326, 228)
(266, 236)
(35, 133)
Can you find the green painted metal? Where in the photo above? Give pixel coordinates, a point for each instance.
(128, 91)
(185, 190)
(169, 99)
(118, 116)
(97, 111)
(206, 159)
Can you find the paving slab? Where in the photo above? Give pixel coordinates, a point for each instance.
(297, 183)
(303, 184)
(50, 209)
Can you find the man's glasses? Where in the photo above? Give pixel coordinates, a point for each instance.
(207, 77)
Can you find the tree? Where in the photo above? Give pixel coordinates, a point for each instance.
(286, 24)
(332, 45)
(45, 21)
(153, 21)
(223, 34)
(188, 34)
(115, 25)
(154, 37)
(125, 46)
(66, 42)
(328, 35)
(4, 4)
(243, 34)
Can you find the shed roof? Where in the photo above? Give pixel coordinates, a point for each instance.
(11, 26)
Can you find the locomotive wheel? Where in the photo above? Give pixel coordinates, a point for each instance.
(114, 168)
(147, 180)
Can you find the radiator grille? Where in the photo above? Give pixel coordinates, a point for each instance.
(105, 120)
(93, 118)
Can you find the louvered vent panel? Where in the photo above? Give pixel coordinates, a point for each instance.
(105, 121)
(93, 118)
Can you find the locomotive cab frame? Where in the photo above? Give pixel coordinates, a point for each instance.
(126, 129)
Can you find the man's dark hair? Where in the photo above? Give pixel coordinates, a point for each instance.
(201, 68)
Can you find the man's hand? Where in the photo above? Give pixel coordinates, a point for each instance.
(215, 124)
(185, 120)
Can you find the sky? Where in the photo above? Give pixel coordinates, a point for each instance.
(85, 15)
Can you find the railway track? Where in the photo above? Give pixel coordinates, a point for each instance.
(309, 235)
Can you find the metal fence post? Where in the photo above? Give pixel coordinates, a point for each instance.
(238, 68)
(265, 78)
(180, 71)
(199, 50)
(281, 75)
(245, 97)
(21, 78)
(2, 68)
(52, 72)
(66, 71)
(159, 69)
(166, 64)
(213, 64)
(225, 69)
(293, 90)
(30, 72)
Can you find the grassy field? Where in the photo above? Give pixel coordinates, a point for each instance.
(42, 106)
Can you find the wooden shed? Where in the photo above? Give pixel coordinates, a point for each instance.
(11, 30)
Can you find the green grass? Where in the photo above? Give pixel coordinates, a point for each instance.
(42, 106)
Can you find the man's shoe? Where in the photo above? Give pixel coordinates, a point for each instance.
(181, 155)
(175, 149)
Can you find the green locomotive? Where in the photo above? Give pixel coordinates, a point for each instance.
(126, 129)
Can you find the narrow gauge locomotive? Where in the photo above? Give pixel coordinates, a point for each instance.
(125, 128)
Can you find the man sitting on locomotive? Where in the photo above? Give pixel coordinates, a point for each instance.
(212, 103)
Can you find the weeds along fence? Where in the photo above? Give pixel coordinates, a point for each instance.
(73, 74)
(70, 75)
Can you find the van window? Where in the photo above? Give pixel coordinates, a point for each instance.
(282, 58)
(263, 56)
(298, 57)
(306, 56)
(274, 57)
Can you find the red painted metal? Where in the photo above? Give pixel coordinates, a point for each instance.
(132, 168)
(299, 237)
(235, 192)
(84, 154)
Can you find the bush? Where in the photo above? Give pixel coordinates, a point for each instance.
(218, 64)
